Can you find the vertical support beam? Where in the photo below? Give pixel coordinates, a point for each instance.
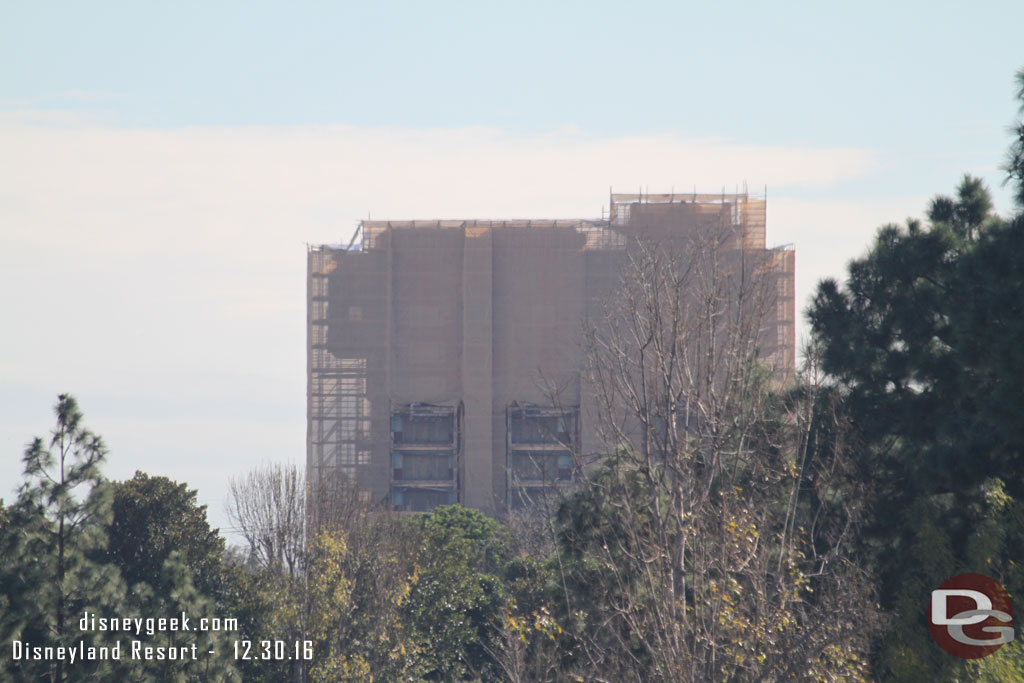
(383, 474)
(476, 468)
(312, 469)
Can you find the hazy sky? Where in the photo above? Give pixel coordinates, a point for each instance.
(163, 165)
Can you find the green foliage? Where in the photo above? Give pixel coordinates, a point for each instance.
(435, 597)
(331, 594)
(359, 585)
(267, 607)
(459, 593)
(172, 561)
(1015, 158)
(55, 524)
(924, 339)
(171, 593)
(59, 562)
(1005, 666)
(154, 517)
(750, 590)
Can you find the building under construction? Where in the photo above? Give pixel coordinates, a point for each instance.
(445, 357)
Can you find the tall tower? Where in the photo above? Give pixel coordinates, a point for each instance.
(445, 357)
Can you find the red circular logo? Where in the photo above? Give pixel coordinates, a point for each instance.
(970, 616)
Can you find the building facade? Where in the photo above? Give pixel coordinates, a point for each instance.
(445, 358)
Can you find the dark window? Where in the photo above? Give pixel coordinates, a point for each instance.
(540, 456)
(423, 466)
(427, 429)
(535, 466)
(408, 499)
(528, 427)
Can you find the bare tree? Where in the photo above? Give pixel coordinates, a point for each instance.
(713, 539)
(269, 507)
(334, 501)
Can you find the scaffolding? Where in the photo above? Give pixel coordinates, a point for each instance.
(338, 407)
(598, 234)
(740, 210)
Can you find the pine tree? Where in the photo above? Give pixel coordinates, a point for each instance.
(924, 340)
(47, 578)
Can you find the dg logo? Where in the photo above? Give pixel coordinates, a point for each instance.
(970, 616)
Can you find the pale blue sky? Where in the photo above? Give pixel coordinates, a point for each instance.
(192, 148)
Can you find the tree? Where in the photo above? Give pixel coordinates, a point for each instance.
(154, 517)
(357, 617)
(381, 563)
(162, 544)
(269, 507)
(55, 525)
(710, 544)
(1015, 158)
(345, 589)
(459, 592)
(60, 563)
(526, 641)
(432, 597)
(923, 341)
